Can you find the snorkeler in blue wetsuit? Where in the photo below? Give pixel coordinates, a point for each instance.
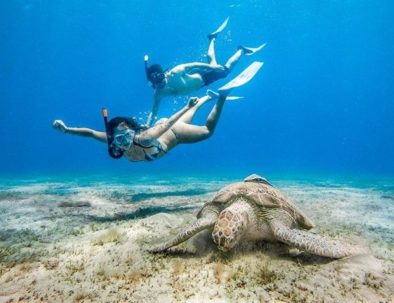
(125, 137)
(189, 77)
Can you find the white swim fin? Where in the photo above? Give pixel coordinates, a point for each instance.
(215, 95)
(251, 50)
(242, 78)
(219, 30)
(234, 98)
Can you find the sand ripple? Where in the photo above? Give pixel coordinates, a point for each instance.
(67, 241)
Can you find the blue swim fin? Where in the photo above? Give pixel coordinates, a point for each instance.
(242, 78)
(219, 30)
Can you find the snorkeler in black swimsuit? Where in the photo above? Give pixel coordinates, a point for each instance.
(186, 78)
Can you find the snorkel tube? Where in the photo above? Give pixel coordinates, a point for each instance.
(113, 151)
(105, 116)
(155, 74)
(146, 58)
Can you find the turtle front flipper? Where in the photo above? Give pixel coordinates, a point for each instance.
(313, 243)
(188, 232)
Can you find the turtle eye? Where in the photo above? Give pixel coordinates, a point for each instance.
(242, 191)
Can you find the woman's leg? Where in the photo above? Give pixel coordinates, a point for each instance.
(189, 133)
(189, 115)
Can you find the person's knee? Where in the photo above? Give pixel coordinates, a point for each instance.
(208, 132)
(161, 121)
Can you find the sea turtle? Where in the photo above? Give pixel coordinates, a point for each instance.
(255, 210)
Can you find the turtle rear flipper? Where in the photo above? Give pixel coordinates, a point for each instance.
(313, 243)
(188, 232)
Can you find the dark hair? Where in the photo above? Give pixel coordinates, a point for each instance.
(132, 123)
(154, 68)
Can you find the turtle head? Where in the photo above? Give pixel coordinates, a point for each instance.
(256, 178)
(228, 229)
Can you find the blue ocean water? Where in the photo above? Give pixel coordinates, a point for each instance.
(317, 121)
(321, 105)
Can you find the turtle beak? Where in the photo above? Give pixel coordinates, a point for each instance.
(223, 248)
(224, 244)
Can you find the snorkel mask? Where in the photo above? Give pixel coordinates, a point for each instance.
(158, 80)
(123, 138)
(114, 151)
(154, 74)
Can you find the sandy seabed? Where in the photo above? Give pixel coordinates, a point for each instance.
(66, 243)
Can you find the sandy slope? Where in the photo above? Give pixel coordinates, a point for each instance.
(110, 265)
(92, 249)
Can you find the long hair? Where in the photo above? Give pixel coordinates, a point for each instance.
(132, 123)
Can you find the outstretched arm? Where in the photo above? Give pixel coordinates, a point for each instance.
(83, 131)
(155, 108)
(157, 130)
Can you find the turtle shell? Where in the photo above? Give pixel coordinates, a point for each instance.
(259, 191)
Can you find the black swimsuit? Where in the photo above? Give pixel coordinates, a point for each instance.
(216, 74)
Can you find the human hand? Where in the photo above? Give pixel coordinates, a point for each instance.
(60, 126)
(192, 101)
